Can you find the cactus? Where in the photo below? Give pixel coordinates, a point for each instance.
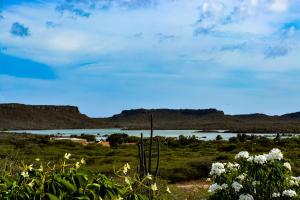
(143, 168)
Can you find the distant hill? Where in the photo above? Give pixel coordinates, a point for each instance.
(206, 119)
(292, 115)
(19, 116)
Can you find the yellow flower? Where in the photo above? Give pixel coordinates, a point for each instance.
(67, 156)
(127, 181)
(126, 168)
(37, 159)
(31, 183)
(168, 190)
(24, 174)
(82, 161)
(30, 167)
(153, 187)
(41, 168)
(77, 165)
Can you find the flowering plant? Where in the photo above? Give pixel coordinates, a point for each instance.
(68, 180)
(259, 177)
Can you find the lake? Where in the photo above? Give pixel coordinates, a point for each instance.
(100, 133)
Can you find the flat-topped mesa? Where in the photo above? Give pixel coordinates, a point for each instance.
(194, 112)
(56, 108)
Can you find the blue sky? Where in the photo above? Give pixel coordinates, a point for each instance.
(240, 56)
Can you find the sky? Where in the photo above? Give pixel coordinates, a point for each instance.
(104, 56)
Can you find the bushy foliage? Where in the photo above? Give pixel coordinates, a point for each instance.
(259, 177)
(68, 181)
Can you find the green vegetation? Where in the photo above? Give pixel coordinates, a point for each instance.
(260, 177)
(66, 180)
(183, 159)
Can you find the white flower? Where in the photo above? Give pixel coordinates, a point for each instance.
(250, 159)
(168, 190)
(236, 186)
(287, 165)
(233, 166)
(214, 187)
(246, 197)
(254, 183)
(294, 182)
(37, 159)
(24, 174)
(149, 176)
(82, 161)
(242, 176)
(260, 159)
(208, 179)
(217, 169)
(126, 168)
(67, 156)
(275, 195)
(242, 154)
(289, 193)
(275, 154)
(153, 187)
(224, 186)
(296, 178)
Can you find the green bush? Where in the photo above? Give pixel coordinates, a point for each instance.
(68, 181)
(259, 177)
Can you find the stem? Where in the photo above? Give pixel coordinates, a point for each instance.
(151, 141)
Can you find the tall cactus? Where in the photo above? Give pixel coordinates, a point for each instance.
(143, 168)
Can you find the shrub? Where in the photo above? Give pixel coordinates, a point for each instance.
(219, 137)
(259, 177)
(68, 181)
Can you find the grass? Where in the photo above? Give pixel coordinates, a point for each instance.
(178, 163)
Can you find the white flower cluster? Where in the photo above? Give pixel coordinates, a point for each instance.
(276, 194)
(246, 197)
(233, 166)
(287, 165)
(214, 187)
(241, 177)
(260, 159)
(217, 169)
(273, 157)
(289, 193)
(242, 154)
(294, 182)
(274, 154)
(236, 186)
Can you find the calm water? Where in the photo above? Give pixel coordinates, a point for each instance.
(100, 133)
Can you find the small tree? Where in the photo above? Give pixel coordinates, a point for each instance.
(219, 137)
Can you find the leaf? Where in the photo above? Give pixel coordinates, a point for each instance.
(69, 186)
(51, 196)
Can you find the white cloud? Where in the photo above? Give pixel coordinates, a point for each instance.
(109, 34)
(279, 5)
(254, 2)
